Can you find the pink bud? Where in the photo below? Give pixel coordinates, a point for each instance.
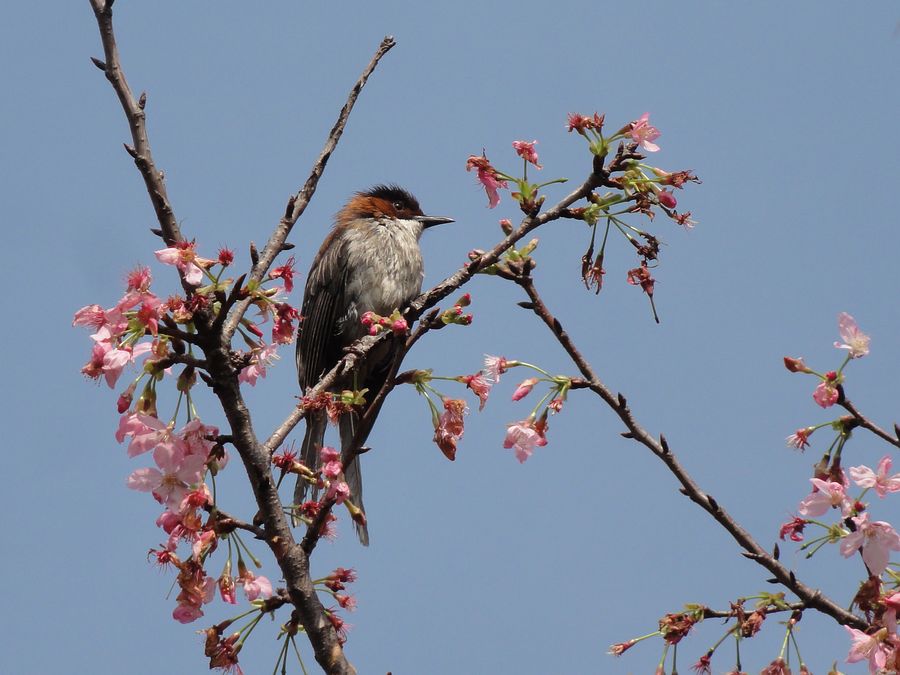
(795, 365)
(667, 199)
(125, 398)
(400, 327)
(524, 388)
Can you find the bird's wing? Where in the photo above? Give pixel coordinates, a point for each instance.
(318, 345)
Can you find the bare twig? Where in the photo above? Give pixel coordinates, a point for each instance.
(811, 598)
(134, 112)
(297, 203)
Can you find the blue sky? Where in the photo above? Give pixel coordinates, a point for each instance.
(786, 110)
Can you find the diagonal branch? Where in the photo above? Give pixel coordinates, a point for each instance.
(134, 112)
(866, 423)
(297, 203)
(811, 598)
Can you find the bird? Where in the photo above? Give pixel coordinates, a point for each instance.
(369, 262)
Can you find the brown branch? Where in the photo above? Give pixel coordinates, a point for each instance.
(292, 560)
(868, 424)
(298, 202)
(134, 112)
(812, 598)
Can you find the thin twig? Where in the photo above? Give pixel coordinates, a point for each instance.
(134, 112)
(868, 424)
(297, 203)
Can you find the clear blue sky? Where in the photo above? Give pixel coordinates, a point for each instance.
(788, 111)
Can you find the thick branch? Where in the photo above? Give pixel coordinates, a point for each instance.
(812, 598)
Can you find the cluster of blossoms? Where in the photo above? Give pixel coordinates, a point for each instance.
(328, 477)
(638, 189)
(522, 436)
(855, 531)
(335, 584)
(828, 391)
(185, 459)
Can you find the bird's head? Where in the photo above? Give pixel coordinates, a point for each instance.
(386, 204)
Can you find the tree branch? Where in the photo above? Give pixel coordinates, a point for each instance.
(868, 424)
(134, 112)
(812, 598)
(298, 202)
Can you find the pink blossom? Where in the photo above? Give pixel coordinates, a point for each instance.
(480, 385)
(864, 477)
(825, 495)
(526, 151)
(494, 367)
(146, 433)
(794, 528)
(283, 327)
(869, 647)
(285, 272)
(826, 394)
(523, 437)
(338, 490)
(139, 279)
(194, 435)
(877, 540)
(186, 613)
(91, 316)
(488, 177)
(331, 462)
(171, 482)
(109, 360)
(524, 388)
(642, 132)
(261, 359)
(255, 586)
(800, 438)
(854, 339)
(183, 256)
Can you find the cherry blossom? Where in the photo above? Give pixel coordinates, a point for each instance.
(255, 586)
(642, 132)
(877, 539)
(825, 495)
(185, 258)
(871, 647)
(488, 177)
(494, 367)
(855, 341)
(261, 359)
(286, 273)
(523, 437)
(864, 477)
(526, 151)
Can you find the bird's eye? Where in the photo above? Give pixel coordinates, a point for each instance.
(398, 206)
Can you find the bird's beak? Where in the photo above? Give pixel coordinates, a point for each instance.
(430, 221)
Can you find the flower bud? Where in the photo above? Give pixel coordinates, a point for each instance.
(795, 365)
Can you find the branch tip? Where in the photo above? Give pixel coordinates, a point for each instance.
(100, 64)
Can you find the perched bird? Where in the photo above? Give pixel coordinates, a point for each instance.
(369, 262)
